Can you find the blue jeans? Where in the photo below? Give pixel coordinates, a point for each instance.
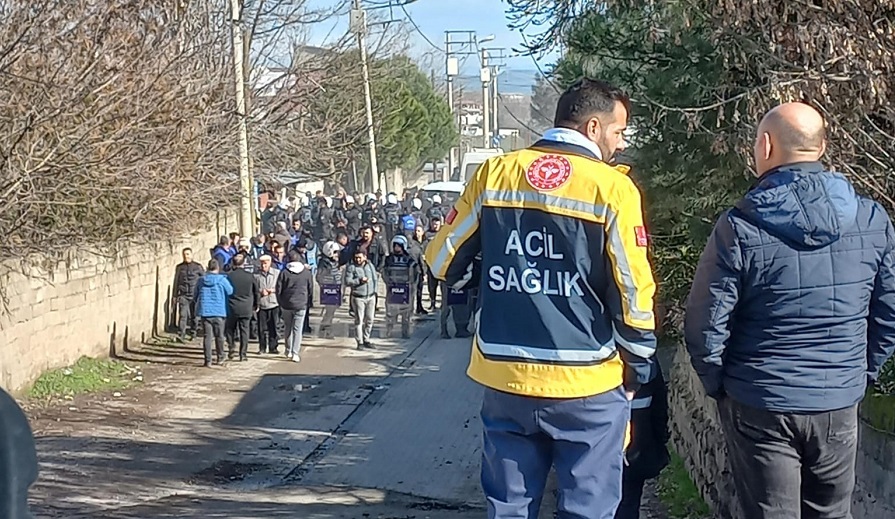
(582, 437)
(295, 323)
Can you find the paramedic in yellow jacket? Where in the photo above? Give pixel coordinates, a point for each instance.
(564, 334)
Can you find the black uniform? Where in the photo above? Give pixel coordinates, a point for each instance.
(186, 277)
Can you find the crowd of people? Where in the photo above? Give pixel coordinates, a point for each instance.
(316, 251)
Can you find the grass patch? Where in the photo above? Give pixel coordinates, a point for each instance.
(678, 492)
(87, 375)
(879, 410)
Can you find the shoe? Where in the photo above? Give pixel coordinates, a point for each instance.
(360, 347)
(445, 335)
(220, 362)
(420, 311)
(180, 339)
(274, 352)
(243, 359)
(260, 352)
(368, 346)
(463, 335)
(296, 358)
(231, 356)
(207, 364)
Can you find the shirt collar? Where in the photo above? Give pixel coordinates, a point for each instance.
(570, 136)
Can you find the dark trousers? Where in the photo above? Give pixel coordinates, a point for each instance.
(214, 331)
(583, 438)
(268, 329)
(433, 290)
(791, 466)
(186, 313)
(238, 328)
(419, 293)
(632, 493)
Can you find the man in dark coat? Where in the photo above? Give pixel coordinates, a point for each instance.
(242, 305)
(791, 312)
(186, 277)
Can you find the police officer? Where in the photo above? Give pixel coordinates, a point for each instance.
(400, 276)
(436, 210)
(565, 325)
(431, 280)
(456, 304)
(416, 211)
(392, 211)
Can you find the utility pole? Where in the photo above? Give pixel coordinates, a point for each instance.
(246, 217)
(359, 27)
(496, 63)
(486, 100)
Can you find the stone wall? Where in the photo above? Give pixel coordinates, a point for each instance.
(697, 436)
(89, 304)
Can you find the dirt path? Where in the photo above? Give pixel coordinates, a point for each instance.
(392, 433)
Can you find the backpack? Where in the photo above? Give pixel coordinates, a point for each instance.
(408, 223)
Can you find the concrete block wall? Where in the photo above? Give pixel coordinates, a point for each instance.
(697, 436)
(89, 304)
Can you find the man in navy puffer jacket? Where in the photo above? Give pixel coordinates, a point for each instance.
(792, 310)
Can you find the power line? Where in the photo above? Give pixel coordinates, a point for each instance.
(524, 125)
(538, 65)
(419, 31)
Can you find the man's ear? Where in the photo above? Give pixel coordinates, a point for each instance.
(766, 145)
(823, 148)
(593, 129)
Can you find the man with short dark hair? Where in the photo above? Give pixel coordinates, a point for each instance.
(268, 306)
(552, 238)
(223, 252)
(212, 293)
(186, 277)
(241, 306)
(791, 313)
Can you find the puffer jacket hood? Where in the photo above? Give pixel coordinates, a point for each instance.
(802, 204)
(213, 279)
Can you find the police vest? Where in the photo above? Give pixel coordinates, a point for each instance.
(565, 282)
(408, 223)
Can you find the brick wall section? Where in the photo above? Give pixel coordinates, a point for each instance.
(697, 436)
(88, 304)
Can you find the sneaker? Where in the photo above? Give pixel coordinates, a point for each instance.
(420, 311)
(274, 352)
(296, 358)
(463, 335)
(445, 335)
(368, 346)
(220, 362)
(243, 359)
(261, 352)
(360, 346)
(207, 364)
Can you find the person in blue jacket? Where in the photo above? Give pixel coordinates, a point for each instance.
(212, 293)
(223, 253)
(791, 313)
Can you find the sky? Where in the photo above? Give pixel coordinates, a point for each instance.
(433, 17)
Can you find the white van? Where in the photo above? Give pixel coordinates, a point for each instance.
(473, 159)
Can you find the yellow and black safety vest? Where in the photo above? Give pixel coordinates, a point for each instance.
(555, 242)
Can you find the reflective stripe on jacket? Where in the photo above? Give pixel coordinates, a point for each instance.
(566, 287)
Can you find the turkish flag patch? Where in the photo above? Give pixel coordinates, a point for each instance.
(642, 237)
(451, 216)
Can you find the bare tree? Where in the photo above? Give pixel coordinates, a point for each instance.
(115, 121)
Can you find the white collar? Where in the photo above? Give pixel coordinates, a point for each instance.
(569, 136)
